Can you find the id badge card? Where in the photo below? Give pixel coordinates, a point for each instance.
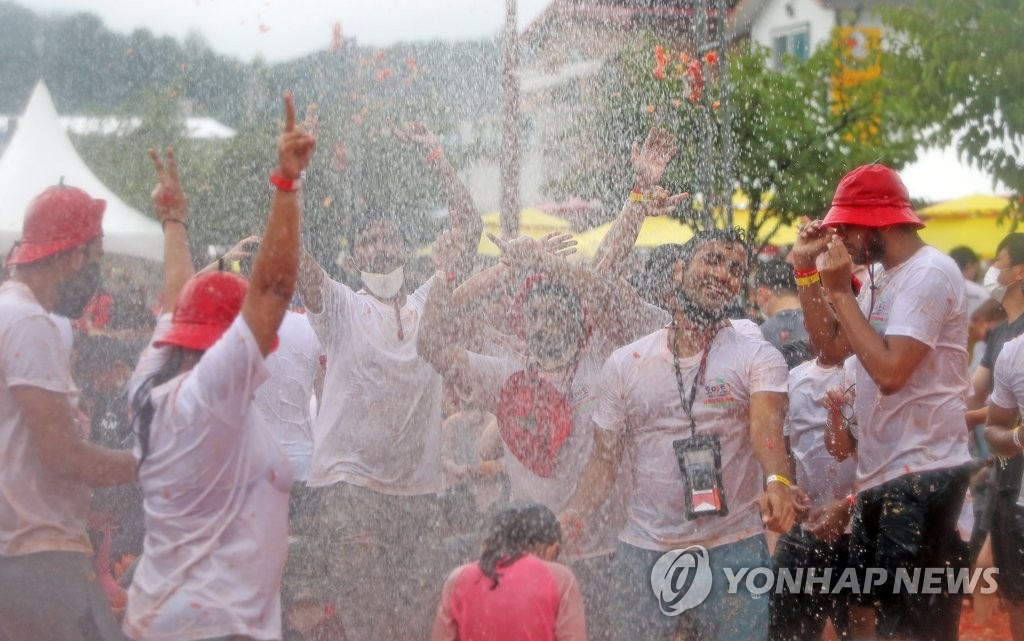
(700, 462)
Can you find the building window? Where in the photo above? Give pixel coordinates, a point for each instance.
(791, 41)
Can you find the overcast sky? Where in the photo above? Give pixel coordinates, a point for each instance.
(282, 29)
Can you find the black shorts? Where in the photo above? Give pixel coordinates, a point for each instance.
(801, 616)
(911, 522)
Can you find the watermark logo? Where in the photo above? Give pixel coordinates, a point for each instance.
(681, 579)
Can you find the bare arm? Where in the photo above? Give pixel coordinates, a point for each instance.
(275, 267)
(767, 414)
(52, 430)
(823, 327)
(839, 442)
(649, 163)
(598, 476)
(999, 430)
(171, 207)
(437, 340)
(465, 219)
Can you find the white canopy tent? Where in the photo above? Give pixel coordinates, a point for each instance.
(38, 156)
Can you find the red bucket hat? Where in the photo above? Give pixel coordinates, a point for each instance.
(205, 309)
(58, 219)
(872, 196)
(535, 420)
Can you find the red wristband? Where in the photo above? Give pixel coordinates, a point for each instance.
(283, 184)
(804, 273)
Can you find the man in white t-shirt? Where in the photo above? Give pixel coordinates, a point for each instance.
(48, 588)
(697, 409)
(1003, 434)
(908, 331)
(821, 542)
(569, 320)
(376, 466)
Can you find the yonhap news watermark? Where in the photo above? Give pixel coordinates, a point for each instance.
(683, 579)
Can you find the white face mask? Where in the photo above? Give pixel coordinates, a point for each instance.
(992, 286)
(384, 285)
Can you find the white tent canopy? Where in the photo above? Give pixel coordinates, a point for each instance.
(38, 156)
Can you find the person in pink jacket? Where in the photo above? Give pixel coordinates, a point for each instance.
(515, 591)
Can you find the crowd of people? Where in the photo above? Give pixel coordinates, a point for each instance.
(510, 452)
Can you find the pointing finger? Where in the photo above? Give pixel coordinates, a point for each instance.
(289, 112)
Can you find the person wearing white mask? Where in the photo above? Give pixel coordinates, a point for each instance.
(376, 467)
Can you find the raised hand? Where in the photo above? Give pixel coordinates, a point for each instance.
(448, 252)
(836, 267)
(414, 132)
(169, 201)
(295, 146)
(520, 253)
(243, 249)
(810, 242)
(558, 244)
(649, 161)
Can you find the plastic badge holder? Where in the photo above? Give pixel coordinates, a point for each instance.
(700, 462)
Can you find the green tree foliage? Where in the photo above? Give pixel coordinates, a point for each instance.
(158, 81)
(961, 62)
(791, 142)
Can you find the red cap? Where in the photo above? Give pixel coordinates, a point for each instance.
(206, 307)
(872, 196)
(58, 219)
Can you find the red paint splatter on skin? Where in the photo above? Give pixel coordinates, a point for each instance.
(636, 354)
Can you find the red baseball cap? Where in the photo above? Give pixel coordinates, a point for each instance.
(206, 307)
(58, 219)
(872, 196)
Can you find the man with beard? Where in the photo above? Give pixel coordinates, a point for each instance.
(569, 320)
(908, 332)
(48, 589)
(697, 409)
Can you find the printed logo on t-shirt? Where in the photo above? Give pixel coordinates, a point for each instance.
(718, 394)
(581, 397)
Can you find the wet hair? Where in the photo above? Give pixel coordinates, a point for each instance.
(731, 236)
(776, 275)
(513, 531)
(964, 257)
(1014, 246)
(550, 289)
(363, 221)
(142, 401)
(796, 352)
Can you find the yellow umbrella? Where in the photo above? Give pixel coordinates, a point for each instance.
(967, 206)
(785, 235)
(532, 222)
(980, 233)
(655, 231)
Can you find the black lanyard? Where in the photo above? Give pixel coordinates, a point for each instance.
(698, 379)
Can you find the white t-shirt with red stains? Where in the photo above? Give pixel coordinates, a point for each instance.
(489, 374)
(379, 425)
(921, 426)
(215, 490)
(39, 510)
(640, 398)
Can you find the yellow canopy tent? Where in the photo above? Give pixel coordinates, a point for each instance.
(656, 231)
(532, 222)
(980, 233)
(977, 205)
